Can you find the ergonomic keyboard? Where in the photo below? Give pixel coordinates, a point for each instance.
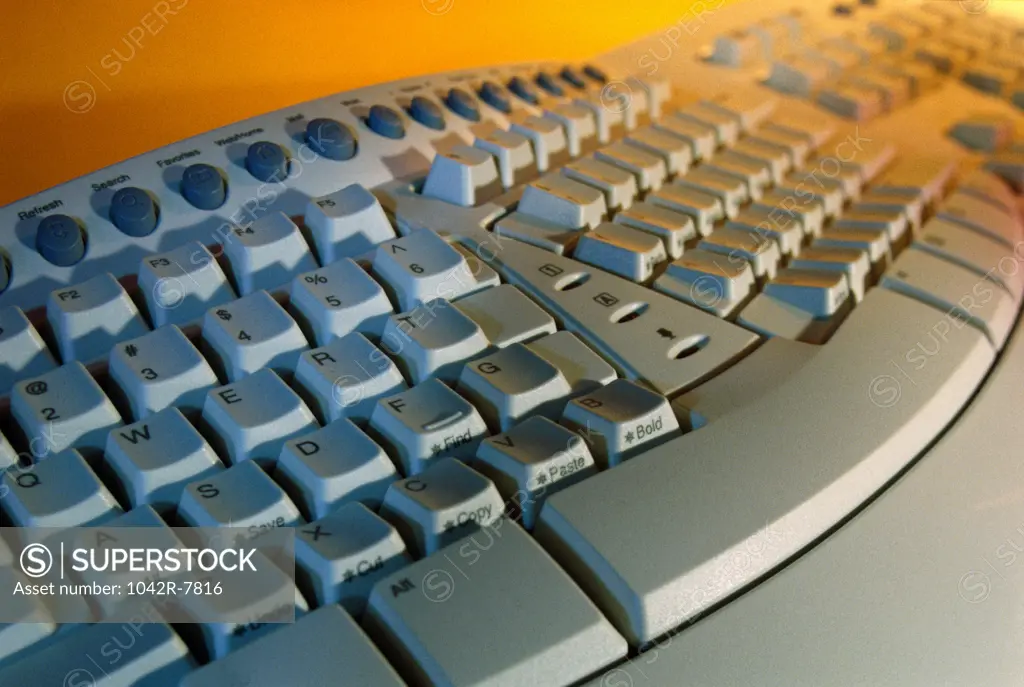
(692, 365)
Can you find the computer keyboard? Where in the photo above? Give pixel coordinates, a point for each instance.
(544, 364)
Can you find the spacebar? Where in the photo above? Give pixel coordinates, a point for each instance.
(661, 538)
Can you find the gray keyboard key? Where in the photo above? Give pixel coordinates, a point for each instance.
(267, 253)
(58, 491)
(548, 139)
(337, 299)
(700, 137)
(464, 176)
(512, 384)
(704, 208)
(420, 267)
(179, 286)
(563, 201)
(537, 232)
(273, 661)
(583, 369)
(332, 466)
(34, 626)
(250, 334)
(252, 418)
(23, 353)
(758, 249)
(755, 175)
(435, 507)
(708, 280)
(513, 618)
(155, 458)
(531, 461)
(781, 228)
(580, 127)
(730, 191)
(783, 209)
(64, 408)
(506, 315)
(621, 250)
(676, 154)
(434, 340)
(649, 169)
(88, 318)
(342, 555)
(425, 423)
(8, 457)
(345, 378)
(852, 262)
(159, 370)
(144, 654)
(241, 496)
(672, 227)
(346, 223)
(513, 154)
(618, 185)
(621, 420)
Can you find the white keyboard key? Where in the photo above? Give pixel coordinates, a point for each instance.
(345, 378)
(700, 137)
(332, 466)
(977, 215)
(513, 154)
(758, 249)
(537, 232)
(268, 596)
(23, 353)
(422, 266)
(514, 600)
(955, 291)
(159, 370)
(88, 318)
(241, 496)
(707, 280)
(853, 263)
(548, 138)
(272, 661)
(609, 121)
(786, 233)
(59, 491)
(337, 299)
(64, 408)
(580, 127)
(512, 384)
(782, 211)
(672, 227)
(584, 370)
(649, 169)
(874, 243)
(851, 101)
(798, 75)
(427, 422)
(703, 208)
(812, 185)
(563, 201)
(432, 509)
(531, 461)
(618, 185)
(506, 315)
(819, 293)
(726, 126)
(891, 222)
(250, 334)
(340, 556)
(755, 176)
(179, 286)
(621, 250)
(621, 420)
(777, 159)
(252, 418)
(267, 254)
(748, 108)
(795, 146)
(676, 154)
(463, 175)
(152, 654)
(730, 191)
(912, 209)
(155, 458)
(346, 223)
(434, 340)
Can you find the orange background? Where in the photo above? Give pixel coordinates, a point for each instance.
(65, 111)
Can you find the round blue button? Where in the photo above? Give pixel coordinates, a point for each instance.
(203, 186)
(426, 112)
(462, 104)
(494, 95)
(572, 77)
(60, 240)
(595, 73)
(267, 161)
(523, 89)
(549, 84)
(386, 122)
(133, 211)
(331, 138)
